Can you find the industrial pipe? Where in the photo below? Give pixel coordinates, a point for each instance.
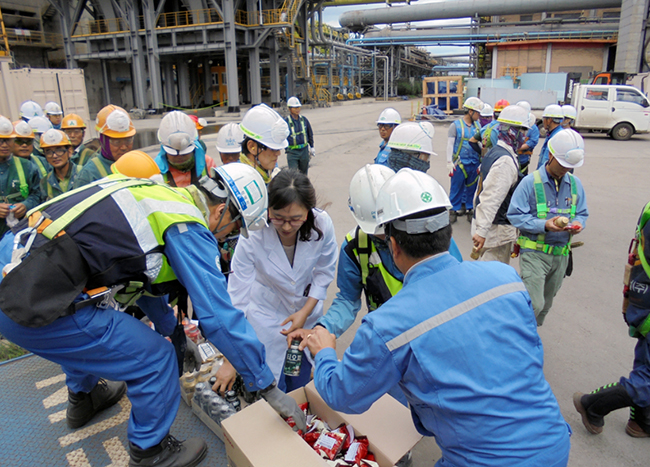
(448, 9)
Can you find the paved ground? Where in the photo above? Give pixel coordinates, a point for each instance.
(585, 339)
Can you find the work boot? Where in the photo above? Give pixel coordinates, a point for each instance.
(470, 215)
(82, 406)
(593, 407)
(462, 211)
(638, 426)
(170, 452)
(453, 216)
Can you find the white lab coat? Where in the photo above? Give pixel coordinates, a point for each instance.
(267, 289)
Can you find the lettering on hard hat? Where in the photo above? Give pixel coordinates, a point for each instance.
(426, 197)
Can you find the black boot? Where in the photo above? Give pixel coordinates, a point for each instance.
(82, 406)
(638, 426)
(169, 453)
(453, 216)
(470, 215)
(593, 407)
(462, 210)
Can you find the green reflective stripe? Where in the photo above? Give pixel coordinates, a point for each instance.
(525, 242)
(645, 327)
(39, 165)
(645, 217)
(62, 222)
(540, 196)
(294, 135)
(246, 131)
(362, 241)
(462, 140)
(100, 167)
(574, 197)
(24, 187)
(50, 192)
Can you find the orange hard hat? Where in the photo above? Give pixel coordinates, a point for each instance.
(72, 121)
(114, 122)
(196, 121)
(500, 105)
(136, 164)
(53, 138)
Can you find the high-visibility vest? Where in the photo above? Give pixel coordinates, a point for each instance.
(293, 136)
(379, 285)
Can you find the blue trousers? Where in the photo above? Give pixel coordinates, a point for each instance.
(95, 343)
(637, 384)
(463, 188)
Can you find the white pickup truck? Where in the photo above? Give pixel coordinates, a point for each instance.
(619, 110)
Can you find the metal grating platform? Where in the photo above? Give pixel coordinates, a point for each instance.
(33, 431)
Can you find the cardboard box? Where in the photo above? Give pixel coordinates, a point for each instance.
(258, 437)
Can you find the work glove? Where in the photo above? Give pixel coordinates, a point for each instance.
(451, 167)
(192, 360)
(312, 152)
(285, 405)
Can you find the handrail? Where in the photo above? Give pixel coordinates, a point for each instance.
(36, 38)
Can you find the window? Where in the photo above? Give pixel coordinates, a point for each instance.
(567, 15)
(602, 80)
(597, 94)
(611, 14)
(526, 18)
(223, 79)
(628, 95)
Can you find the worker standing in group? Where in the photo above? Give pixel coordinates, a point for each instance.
(181, 159)
(54, 114)
(74, 126)
(549, 207)
(229, 141)
(23, 146)
(58, 150)
(29, 110)
(459, 340)
(265, 135)
(388, 120)
(463, 160)
(633, 391)
(552, 120)
(102, 236)
(488, 133)
(39, 126)
(570, 114)
(492, 234)
(411, 145)
(116, 132)
(19, 190)
(301, 138)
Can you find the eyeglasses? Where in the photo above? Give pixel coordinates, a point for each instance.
(59, 151)
(23, 142)
(5, 141)
(280, 221)
(384, 126)
(117, 142)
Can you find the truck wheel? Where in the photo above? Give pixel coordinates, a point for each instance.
(622, 132)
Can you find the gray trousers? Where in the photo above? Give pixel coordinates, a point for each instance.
(543, 275)
(298, 159)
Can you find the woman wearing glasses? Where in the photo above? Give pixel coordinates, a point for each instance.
(281, 273)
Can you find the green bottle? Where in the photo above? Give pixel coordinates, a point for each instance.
(293, 360)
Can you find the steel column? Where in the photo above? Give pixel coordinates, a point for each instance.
(231, 55)
(183, 75)
(152, 54)
(207, 81)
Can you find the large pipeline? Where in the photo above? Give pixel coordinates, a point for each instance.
(449, 9)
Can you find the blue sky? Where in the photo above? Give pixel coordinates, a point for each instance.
(331, 16)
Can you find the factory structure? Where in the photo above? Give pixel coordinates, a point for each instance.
(159, 55)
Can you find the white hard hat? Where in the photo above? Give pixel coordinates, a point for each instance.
(553, 111)
(22, 129)
(569, 111)
(229, 138)
(473, 103)
(264, 125)
(30, 109)
(293, 102)
(364, 188)
(525, 105)
(532, 120)
(389, 116)
(487, 111)
(6, 128)
(203, 122)
(52, 108)
(40, 124)
(568, 147)
(514, 115)
(177, 133)
(413, 136)
(409, 192)
(245, 188)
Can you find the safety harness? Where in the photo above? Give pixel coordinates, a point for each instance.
(24, 187)
(50, 190)
(295, 135)
(456, 157)
(39, 165)
(379, 284)
(542, 213)
(637, 273)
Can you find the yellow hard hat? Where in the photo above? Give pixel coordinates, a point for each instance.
(53, 138)
(136, 164)
(114, 122)
(72, 121)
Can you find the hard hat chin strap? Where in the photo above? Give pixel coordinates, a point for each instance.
(223, 213)
(424, 225)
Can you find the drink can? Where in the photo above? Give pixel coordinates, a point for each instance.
(293, 359)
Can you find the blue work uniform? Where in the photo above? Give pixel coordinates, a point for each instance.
(94, 342)
(469, 360)
(543, 154)
(382, 156)
(463, 181)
